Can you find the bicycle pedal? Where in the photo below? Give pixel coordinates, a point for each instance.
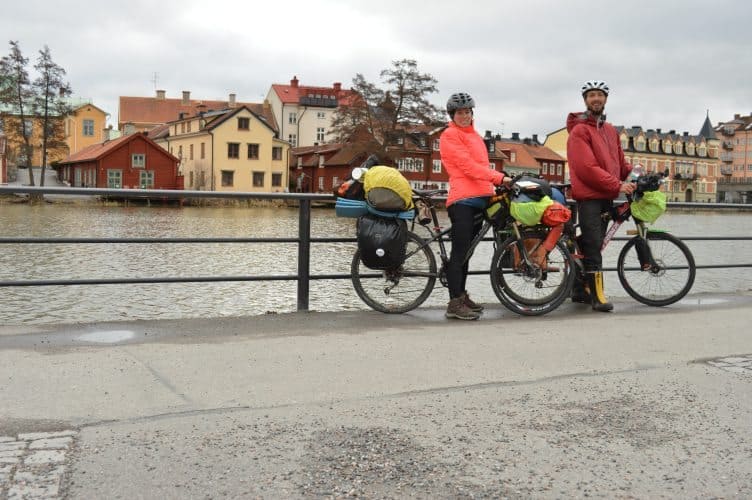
(632, 232)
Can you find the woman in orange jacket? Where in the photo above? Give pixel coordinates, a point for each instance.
(471, 183)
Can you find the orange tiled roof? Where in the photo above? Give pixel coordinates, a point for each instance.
(156, 111)
(543, 153)
(291, 93)
(97, 151)
(523, 158)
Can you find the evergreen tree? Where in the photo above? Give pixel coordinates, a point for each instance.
(51, 104)
(16, 101)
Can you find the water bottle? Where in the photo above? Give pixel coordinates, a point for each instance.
(637, 171)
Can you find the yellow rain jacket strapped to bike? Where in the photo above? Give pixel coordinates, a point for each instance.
(650, 206)
(387, 189)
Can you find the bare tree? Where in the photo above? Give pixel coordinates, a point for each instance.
(16, 97)
(376, 114)
(50, 104)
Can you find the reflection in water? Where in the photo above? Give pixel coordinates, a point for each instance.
(181, 300)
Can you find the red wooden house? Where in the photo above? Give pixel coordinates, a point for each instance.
(129, 162)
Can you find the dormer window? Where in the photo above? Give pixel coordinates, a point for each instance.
(702, 150)
(654, 145)
(624, 141)
(667, 146)
(690, 149)
(678, 148)
(640, 143)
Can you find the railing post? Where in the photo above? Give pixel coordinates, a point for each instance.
(304, 253)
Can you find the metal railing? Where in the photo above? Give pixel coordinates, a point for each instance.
(303, 240)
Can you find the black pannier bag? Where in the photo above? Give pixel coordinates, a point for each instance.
(382, 241)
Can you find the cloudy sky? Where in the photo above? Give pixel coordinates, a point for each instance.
(666, 61)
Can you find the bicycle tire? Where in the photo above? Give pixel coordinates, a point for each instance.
(663, 286)
(400, 290)
(531, 291)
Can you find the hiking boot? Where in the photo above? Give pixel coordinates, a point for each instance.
(580, 291)
(470, 304)
(597, 295)
(457, 309)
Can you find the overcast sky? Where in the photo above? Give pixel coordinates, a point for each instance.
(667, 62)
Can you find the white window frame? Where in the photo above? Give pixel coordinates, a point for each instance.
(138, 160)
(114, 178)
(320, 134)
(436, 168)
(292, 117)
(293, 140)
(146, 179)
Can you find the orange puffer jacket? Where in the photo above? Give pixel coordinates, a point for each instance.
(465, 158)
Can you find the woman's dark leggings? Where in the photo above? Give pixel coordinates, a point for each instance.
(464, 229)
(593, 229)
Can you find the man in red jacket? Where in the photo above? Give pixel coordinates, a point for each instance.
(597, 170)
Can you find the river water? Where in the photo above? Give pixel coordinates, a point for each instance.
(69, 304)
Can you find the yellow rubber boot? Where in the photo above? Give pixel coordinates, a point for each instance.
(597, 295)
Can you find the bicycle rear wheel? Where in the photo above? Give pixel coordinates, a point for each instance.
(399, 290)
(531, 290)
(667, 282)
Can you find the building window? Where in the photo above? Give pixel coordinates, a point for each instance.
(419, 164)
(436, 166)
(690, 149)
(559, 169)
(88, 128)
(28, 128)
(667, 146)
(189, 126)
(544, 170)
(624, 141)
(276, 153)
(276, 180)
(640, 144)
(320, 115)
(435, 145)
(293, 140)
(146, 179)
(244, 123)
(203, 151)
(512, 156)
(190, 152)
(320, 134)
(114, 179)
(180, 152)
(182, 128)
(258, 179)
(292, 118)
(228, 178)
(233, 150)
(321, 183)
(253, 151)
(678, 148)
(138, 161)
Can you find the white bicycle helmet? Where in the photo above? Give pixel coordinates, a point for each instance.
(594, 85)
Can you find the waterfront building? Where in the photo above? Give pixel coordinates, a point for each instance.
(736, 158)
(529, 155)
(129, 162)
(233, 149)
(84, 126)
(304, 112)
(692, 161)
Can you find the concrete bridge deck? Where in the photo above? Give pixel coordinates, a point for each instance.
(638, 403)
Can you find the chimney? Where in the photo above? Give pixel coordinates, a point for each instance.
(337, 86)
(186, 98)
(526, 140)
(231, 102)
(160, 95)
(737, 116)
(672, 131)
(686, 134)
(535, 139)
(515, 136)
(294, 82)
(658, 130)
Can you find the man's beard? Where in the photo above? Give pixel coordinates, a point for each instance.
(598, 112)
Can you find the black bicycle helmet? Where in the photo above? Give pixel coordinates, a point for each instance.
(459, 100)
(594, 85)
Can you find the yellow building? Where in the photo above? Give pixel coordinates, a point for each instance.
(691, 160)
(556, 141)
(84, 126)
(227, 150)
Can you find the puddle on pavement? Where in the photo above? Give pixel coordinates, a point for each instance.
(107, 337)
(702, 301)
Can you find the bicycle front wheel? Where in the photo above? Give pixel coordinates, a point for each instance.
(665, 283)
(531, 289)
(397, 290)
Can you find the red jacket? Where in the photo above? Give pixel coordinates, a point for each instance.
(465, 158)
(596, 160)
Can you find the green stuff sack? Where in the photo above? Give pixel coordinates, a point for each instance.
(650, 206)
(387, 189)
(530, 213)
